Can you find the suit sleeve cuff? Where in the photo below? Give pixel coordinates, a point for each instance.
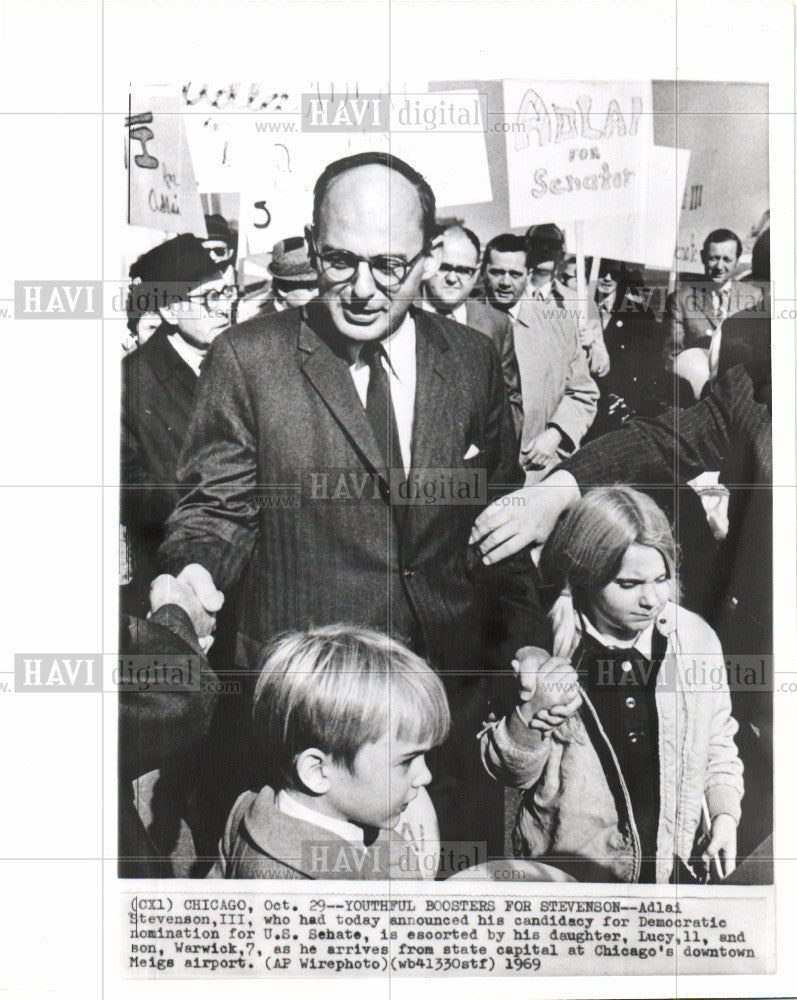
(176, 620)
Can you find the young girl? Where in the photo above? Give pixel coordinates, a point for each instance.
(621, 752)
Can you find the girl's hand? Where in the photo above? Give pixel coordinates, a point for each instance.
(722, 846)
(547, 719)
(549, 690)
(566, 630)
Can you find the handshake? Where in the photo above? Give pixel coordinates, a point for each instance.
(549, 688)
(193, 591)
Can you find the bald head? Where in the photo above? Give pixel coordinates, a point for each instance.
(365, 210)
(452, 284)
(374, 200)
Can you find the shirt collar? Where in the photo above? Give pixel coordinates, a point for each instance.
(192, 356)
(543, 292)
(399, 347)
(642, 643)
(290, 806)
(460, 314)
(514, 311)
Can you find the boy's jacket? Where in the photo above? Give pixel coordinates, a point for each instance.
(262, 842)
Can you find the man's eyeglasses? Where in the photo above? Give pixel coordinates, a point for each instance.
(389, 273)
(211, 298)
(460, 270)
(221, 252)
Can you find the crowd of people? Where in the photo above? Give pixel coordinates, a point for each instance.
(385, 492)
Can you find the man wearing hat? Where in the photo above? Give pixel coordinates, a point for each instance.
(221, 241)
(194, 296)
(295, 281)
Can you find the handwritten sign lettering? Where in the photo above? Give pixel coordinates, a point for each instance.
(577, 150)
(162, 188)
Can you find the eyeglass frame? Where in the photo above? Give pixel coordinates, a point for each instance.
(408, 264)
(461, 271)
(204, 298)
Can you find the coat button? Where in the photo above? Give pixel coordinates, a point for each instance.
(409, 573)
(633, 738)
(626, 666)
(630, 702)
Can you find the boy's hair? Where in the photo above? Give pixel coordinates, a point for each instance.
(587, 546)
(338, 688)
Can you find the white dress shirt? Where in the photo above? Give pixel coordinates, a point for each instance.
(402, 377)
(720, 300)
(459, 315)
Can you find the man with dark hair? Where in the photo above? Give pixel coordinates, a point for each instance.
(447, 292)
(545, 251)
(559, 395)
(694, 314)
(293, 281)
(317, 443)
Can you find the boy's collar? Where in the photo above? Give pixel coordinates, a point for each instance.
(288, 805)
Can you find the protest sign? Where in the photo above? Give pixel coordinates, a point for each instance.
(578, 151)
(162, 191)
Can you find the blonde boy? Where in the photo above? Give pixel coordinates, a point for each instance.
(345, 716)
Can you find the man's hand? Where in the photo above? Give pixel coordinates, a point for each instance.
(549, 690)
(525, 517)
(193, 591)
(721, 849)
(542, 449)
(589, 332)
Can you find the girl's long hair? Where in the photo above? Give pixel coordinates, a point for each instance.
(587, 546)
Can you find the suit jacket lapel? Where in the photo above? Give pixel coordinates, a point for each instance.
(169, 365)
(430, 391)
(330, 376)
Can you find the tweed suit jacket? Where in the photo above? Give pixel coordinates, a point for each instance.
(286, 489)
(554, 375)
(690, 318)
(498, 327)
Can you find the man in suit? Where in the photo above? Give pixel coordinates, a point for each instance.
(447, 292)
(333, 463)
(194, 295)
(694, 314)
(559, 395)
(293, 281)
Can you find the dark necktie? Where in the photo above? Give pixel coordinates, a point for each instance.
(378, 404)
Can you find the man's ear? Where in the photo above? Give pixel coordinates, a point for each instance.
(311, 769)
(309, 237)
(431, 262)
